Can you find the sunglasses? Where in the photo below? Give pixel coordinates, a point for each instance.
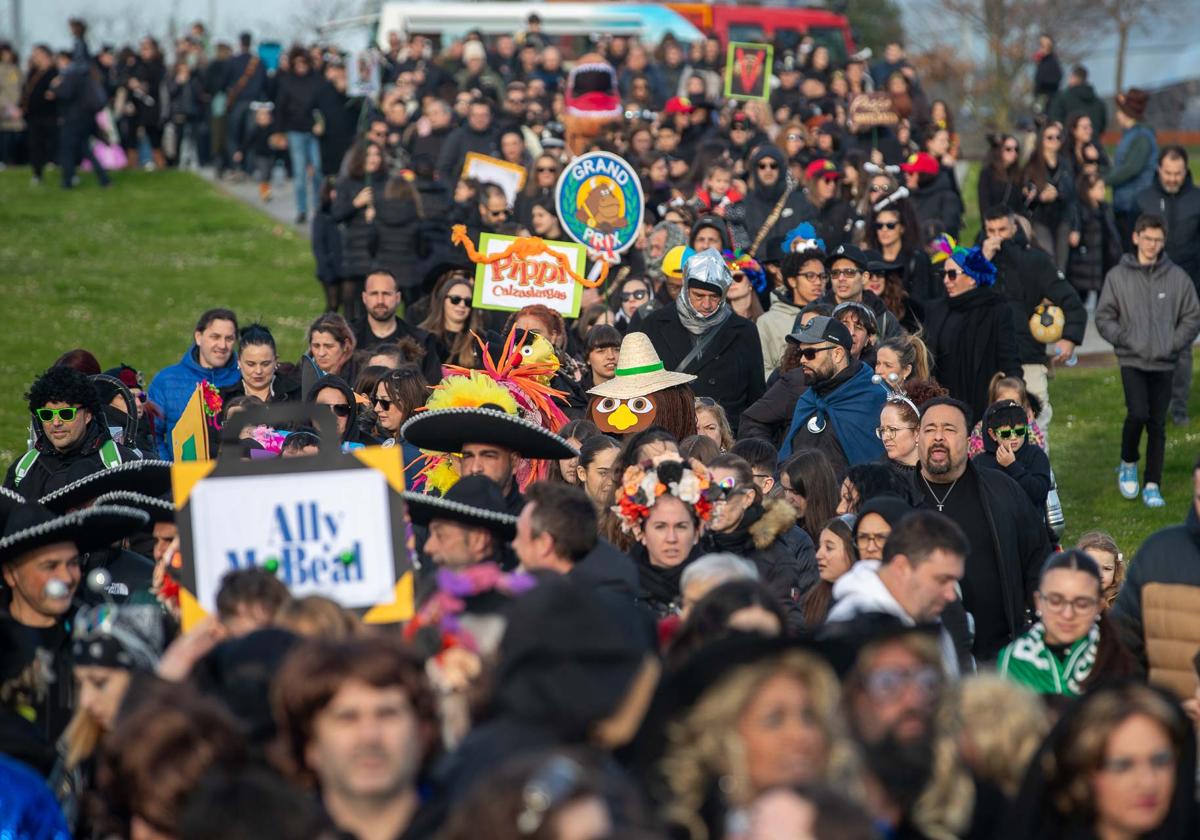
(1010, 149)
(455, 300)
(640, 294)
(1006, 433)
(794, 137)
(47, 415)
(768, 165)
(1053, 137)
(886, 225)
(341, 409)
(848, 273)
(551, 169)
(951, 273)
(878, 188)
(498, 214)
(810, 353)
(386, 405)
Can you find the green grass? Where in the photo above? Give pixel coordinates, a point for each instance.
(124, 272)
(1085, 447)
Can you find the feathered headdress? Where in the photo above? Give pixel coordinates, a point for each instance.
(803, 237)
(972, 261)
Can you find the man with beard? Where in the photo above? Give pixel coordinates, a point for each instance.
(921, 786)
(355, 722)
(381, 297)
(1007, 536)
(840, 410)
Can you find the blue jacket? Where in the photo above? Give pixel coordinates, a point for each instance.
(1134, 165)
(173, 387)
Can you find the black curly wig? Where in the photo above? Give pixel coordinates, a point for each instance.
(67, 385)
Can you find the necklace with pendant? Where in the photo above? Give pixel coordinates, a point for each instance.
(941, 503)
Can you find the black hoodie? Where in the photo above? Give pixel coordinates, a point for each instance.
(761, 199)
(354, 432)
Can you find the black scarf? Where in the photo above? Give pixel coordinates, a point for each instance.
(737, 541)
(659, 585)
(966, 348)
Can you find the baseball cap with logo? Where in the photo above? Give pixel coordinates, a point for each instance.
(921, 163)
(822, 168)
(823, 329)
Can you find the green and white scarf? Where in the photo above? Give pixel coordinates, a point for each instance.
(1029, 661)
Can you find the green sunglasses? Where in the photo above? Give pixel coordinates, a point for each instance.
(1011, 433)
(47, 415)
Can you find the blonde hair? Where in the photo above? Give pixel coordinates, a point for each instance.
(705, 744)
(1004, 723)
(318, 617)
(1103, 541)
(717, 411)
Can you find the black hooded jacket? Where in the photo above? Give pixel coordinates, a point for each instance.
(1026, 276)
(940, 203)
(1181, 211)
(760, 201)
(53, 470)
(354, 432)
(1031, 469)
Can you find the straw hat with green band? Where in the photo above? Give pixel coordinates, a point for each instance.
(640, 371)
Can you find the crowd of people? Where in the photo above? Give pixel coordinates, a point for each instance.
(765, 543)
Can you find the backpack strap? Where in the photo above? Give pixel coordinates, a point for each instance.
(24, 465)
(110, 454)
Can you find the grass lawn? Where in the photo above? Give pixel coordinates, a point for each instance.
(1085, 446)
(125, 272)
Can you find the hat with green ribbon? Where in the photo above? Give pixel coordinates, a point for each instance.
(640, 371)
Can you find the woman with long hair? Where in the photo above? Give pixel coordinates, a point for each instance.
(1000, 177)
(1085, 154)
(895, 233)
(810, 486)
(544, 220)
(398, 217)
(331, 345)
(902, 359)
(836, 554)
(1049, 195)
(452, 319)
(540, 184)
(354, 208)
(395, 397)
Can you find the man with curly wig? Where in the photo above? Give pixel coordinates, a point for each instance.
(70, 438)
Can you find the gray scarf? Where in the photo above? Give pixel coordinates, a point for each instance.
(706, 267)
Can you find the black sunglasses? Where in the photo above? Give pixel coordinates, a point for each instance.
(553, 169)
(458, 301)
(886, 225)
(386, 405)
(951, 273)
(810, 353)
(640, 294)
(767, 164)
(341, 409)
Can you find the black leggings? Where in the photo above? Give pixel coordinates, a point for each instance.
(1147, 394)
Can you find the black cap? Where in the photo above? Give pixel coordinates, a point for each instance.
(823, 329)
(847, 252)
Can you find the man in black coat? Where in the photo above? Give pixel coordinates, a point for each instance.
(1176, 199)
(701, 334)
(380, 325)
(71, 437)
(1007, 536)
(1026, 276)
(768, 185)
(477, 134)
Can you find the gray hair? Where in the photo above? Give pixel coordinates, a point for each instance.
(718, 568)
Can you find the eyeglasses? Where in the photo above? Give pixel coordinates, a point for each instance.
(767, 164)
(340, 409)
(813, 276)
(810, 353)
(1059, 603)
(47, 415)
(640, 294)
(726, 488)
(878, 188)
(792, 491)
(863, 539)
(1006, 433)
(886, 225)
(386, 405)
(886, 432)
(848, 273)
(455, 300)
(885, 683)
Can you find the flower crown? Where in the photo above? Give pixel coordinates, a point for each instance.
(641, 489)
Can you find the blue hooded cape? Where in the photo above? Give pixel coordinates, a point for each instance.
(852, 409)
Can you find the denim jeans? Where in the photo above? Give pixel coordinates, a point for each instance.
(305, 150)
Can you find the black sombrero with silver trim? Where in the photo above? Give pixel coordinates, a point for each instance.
(475, 500)
(32, 526)
(156, 507)
(449, 429)
(149, 477)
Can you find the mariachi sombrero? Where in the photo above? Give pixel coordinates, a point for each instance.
(640, 371)
(157, 508)
(477, 409)
(149, 477)
(33, 526)
(474, 500)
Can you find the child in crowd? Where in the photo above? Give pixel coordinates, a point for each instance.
(1010, 388)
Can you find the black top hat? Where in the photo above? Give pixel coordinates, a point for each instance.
(157, 508)
(475, 500)
(149, 477)
(449, 429)
(33, 526)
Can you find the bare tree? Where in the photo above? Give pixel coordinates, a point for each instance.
(1009, 30)
(311, 15)
(1127, 16)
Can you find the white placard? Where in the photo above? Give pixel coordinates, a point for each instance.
(511, 284)
(308, 524)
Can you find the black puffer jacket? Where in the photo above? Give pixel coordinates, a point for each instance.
(398, 221)
(359, 237)
(1024, 277)
(53, 470)
(1181, 210)
(771, 414)
(939, 203)
(781, 551)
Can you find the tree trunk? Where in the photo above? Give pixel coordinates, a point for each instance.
(1122, 45)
